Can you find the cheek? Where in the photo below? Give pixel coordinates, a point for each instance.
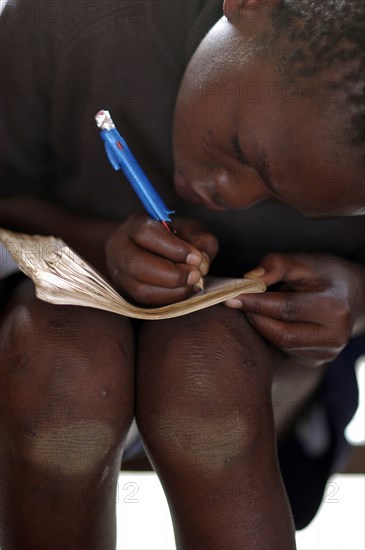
(201, 125)
(186, 141)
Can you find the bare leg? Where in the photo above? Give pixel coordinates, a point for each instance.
(67, 401)
(205, 414)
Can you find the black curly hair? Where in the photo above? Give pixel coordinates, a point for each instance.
(326, 35)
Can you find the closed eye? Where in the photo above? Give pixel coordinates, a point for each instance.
(237, 148)
(264, 168)
(265, 171)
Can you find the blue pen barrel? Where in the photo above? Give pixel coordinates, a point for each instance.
(121, 158)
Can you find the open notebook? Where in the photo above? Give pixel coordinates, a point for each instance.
(62, 277)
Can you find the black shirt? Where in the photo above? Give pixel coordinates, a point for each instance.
(61, 62)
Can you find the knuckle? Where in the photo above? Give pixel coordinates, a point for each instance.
(289, 309)
(132, 263)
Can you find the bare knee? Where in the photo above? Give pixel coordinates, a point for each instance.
(204, 388)
(67, 378)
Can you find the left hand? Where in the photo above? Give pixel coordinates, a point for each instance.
(317, 308)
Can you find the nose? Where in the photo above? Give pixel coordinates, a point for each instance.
(221, 188)
(205, 187)
(184, 188)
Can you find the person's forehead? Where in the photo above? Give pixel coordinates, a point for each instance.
(223, 49)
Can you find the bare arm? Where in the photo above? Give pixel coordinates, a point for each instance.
(86, 234)
(144, 260)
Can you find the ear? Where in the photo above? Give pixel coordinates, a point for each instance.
(232, 7)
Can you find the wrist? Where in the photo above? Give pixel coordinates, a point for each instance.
(85, 234)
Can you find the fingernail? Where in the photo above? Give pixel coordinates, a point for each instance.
(194, 259)
(233, 303)
(255, 273)
(194, 277)
(204, 266)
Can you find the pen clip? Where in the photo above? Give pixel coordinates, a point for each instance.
(112, 156)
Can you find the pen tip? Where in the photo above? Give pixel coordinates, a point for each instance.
(199, 286)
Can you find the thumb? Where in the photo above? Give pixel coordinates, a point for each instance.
(275, 268)
(198, 236)
(208, 246)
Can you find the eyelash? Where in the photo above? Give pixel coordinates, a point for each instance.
(240, 156)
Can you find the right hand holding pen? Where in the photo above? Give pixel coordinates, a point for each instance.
(155, 267)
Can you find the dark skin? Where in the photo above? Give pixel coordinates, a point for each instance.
(221, 142)
(276, 372)
(239, 141)
(44, 329)
(206, 416)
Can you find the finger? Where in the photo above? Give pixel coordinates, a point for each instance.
(205, 264)
(285, 306)
(206, 243)
(304, 340)
(153, 295)
(150, 269)
(196, 234)
(277, 267)
(154, 237)
(289, 336)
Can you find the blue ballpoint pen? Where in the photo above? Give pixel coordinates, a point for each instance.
(121, 158)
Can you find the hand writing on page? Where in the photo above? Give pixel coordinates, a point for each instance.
(155, 267)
